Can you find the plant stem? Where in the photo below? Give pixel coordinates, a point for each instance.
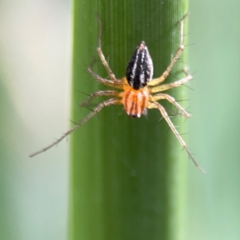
(126, 174)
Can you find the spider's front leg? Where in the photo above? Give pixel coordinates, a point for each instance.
(106, 103)
(169, 122)
(159, 80)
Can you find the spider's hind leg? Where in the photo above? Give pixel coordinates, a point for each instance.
(101, 55)
(104, 81)
(164, 87)
(160, 79)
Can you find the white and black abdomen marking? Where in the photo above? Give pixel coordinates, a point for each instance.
(140, 67)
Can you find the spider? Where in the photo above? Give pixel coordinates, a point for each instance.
(139, 91)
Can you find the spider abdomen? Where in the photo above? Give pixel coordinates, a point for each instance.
(140, 67)
(135, 101)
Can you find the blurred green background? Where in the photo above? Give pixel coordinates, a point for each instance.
(35, 73)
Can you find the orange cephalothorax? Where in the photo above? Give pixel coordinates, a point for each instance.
(134, 101)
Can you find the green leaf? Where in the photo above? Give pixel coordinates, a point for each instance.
(126, 174)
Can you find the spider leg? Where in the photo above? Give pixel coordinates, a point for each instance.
(159, 80)
(90, 115)
(169, 98)
(105, 81)
(105, 63)
(99, 93)
(101, 55)
(167, 86)
(169, 122)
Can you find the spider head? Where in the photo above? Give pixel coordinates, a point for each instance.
(134, 116)
(135, 102)
(144, 112)
(140, 67)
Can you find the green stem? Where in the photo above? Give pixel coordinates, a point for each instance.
(126, 173)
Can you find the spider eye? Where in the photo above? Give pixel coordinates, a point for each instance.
(140, 67)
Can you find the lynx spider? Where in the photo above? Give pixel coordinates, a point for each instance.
(139, 90)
